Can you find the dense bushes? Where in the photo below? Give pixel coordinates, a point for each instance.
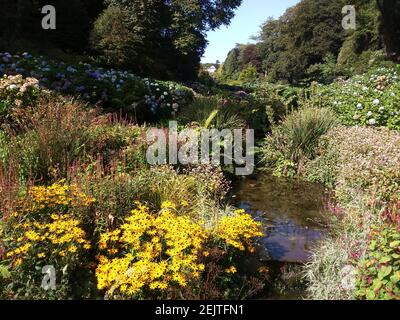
(294, 141)
(361, 164)
(43, 141)
(142, 254)
(143, 99)
(358, 162)
(69, 179)
(368, 100)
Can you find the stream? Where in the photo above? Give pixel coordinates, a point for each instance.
(293, 215)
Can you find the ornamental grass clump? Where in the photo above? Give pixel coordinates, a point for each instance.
(295, 140)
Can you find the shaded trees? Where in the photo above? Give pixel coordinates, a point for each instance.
(21, 21)
(158, 37)
(390, 26)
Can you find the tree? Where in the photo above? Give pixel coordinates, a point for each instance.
(249, 74)
(300, 38)
(390, 26)
(164, 38)
(231, 67)
(21, 20)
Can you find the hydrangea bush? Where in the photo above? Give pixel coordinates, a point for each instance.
(372, 99)
(116, 89)
(16, 91)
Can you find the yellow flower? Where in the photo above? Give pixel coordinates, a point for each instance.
(72, 249)
(18, 262)
(164, 251)
(239, 230)
(168, 205)
(184, 203)
(231, 270)
(263, 269)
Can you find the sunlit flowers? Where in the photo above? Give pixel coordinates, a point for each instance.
(45, 228)
(154, 252)
(239, 230)
(162, 251)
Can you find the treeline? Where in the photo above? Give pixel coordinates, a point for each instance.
(308, 42)
(160, 38)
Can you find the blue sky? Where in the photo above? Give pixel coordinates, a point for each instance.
(246, 23)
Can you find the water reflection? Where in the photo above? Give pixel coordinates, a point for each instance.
(292, 212)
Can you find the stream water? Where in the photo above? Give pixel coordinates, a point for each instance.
(294, 219)
(292, 212)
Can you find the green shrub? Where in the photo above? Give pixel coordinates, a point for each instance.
(15, 91)
(358, 162)
(213, 112)
(369, 100)
(249, 74)
(295, 140)
(379, 269)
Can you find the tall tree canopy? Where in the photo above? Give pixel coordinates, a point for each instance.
(160, 37)
(303, 36)
(21, 20)
(308, 40)
(390, 26)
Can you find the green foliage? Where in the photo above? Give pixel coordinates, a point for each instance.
(325, 72)
(159, 38)
(248, 75)
(379, 270)
(368, 100)
(142, 99)
(243, 63)
(15, 91)
(300, 38)
(213, 112)
(308, 43)
(295, 140)
(55, 134)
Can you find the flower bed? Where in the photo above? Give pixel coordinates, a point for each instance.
(369, 100)
(115, 89)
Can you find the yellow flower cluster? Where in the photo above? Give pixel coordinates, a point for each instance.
(38, 231)
(58, 194)
(155, 252)
(239, 230)
(58, 238)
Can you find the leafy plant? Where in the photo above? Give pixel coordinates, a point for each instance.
(296, 139)
(379, 269)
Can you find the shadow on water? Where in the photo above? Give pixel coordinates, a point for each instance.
(292, 212)
(294, 218)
